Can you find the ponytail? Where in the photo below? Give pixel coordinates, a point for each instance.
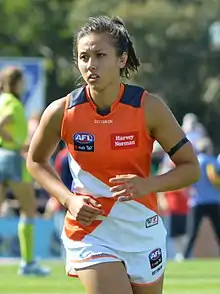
(133, 62)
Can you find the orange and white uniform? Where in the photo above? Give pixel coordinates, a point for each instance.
(101, 147)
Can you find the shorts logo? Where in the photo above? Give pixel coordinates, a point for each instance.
(84, 142)
(155, 258)
(151, 221)
(124, 140)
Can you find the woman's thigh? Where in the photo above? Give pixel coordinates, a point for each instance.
(154, 288)
(105, 278)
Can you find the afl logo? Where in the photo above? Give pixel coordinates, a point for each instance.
(84, 142)
(155, 257)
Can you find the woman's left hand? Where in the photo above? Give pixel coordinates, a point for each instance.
(129, 187)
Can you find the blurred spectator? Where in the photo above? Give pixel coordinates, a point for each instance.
(206, 195)
(13, 172)
(175, 205)
(157, 156)
(193, 129)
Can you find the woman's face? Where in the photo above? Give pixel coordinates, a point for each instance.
(98, 62)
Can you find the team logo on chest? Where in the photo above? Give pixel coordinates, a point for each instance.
(124, 140)
(84, 142)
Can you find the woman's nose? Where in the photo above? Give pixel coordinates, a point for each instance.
(91, 65)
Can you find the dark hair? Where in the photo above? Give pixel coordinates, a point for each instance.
(120, 37)
(9, 77)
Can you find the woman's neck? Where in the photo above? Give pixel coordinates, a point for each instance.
(106, 97)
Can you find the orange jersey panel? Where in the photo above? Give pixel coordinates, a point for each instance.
(103, 146)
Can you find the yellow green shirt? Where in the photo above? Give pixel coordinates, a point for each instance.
(18, 129)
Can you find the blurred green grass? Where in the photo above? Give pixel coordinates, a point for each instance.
(189, 277)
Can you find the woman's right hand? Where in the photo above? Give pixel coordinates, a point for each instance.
(84, 209)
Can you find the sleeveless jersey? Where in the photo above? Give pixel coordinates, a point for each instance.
(101, 146)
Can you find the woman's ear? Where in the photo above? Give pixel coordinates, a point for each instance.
(123, 60)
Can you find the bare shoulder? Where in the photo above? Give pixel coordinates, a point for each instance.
(56, 108)
(155, 103)
(156, 111)
(48, 132)
(53, 114)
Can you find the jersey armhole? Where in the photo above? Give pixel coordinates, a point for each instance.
(63, 123)
(144, 96)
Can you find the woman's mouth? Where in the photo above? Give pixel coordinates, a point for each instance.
(93, 77)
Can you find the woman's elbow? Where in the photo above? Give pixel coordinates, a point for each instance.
(195, 172)
(30, 164)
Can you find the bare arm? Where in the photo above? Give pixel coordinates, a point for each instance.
(164, 128)
(43, 145)
(3, 122)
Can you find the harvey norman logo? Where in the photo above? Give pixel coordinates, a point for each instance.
(124, 140)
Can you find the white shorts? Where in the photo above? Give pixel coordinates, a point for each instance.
(143, 268)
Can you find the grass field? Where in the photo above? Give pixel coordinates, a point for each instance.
(191, 277)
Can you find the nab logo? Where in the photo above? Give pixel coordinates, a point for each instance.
(84, 142)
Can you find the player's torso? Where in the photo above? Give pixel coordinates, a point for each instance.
(111, 145)
(102, 147)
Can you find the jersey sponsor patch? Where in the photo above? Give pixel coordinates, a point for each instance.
(151, 221)
(124, 140)
(84, 142)
(155, 258)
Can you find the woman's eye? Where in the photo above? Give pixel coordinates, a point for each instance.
(84, 57)
(101, 54)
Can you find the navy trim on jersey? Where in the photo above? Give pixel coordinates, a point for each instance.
(77, 97)
(103, 112)
(132, 96)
